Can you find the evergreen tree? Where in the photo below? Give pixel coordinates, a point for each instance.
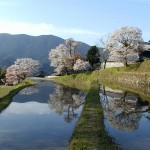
(93, 55)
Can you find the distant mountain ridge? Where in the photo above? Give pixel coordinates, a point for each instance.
(36, 47)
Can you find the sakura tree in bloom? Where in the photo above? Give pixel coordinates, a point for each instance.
(11, 77)
(71, 46)
(21, 69)
(62, 57)
(81, 65)
(104, 49)
(57, 58)
(125, 43)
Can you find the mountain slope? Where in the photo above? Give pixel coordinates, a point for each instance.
(36, 47)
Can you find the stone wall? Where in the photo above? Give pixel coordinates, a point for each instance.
(115, 64)
(135, 81)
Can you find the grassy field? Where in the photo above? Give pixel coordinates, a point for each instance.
(7, 92)
(89, 133)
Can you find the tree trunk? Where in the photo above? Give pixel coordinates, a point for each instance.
(125, 62)
(66, 71)
(105, 64)
(70, 51)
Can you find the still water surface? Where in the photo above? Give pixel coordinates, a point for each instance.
(41, 117)
(127, 118)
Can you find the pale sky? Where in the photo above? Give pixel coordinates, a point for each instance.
(83, 20)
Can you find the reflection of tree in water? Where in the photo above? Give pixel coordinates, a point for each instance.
(123, 121)
(29, 91)
(122, 110)
(66, 100)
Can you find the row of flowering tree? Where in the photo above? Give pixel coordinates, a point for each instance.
(65, 58)
(124, 45)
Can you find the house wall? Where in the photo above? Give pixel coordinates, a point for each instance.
(112, 64)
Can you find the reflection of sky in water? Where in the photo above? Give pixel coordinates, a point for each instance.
(27, 108)
(134, 133)
(29, 123)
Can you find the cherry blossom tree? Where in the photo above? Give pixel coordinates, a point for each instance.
(71, 45)
(11, 77)
(81, 65)
(63, 57)
(57, 58)
(104, 49)
(22, 68)
(125, 43)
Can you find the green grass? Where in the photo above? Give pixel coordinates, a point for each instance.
(5, 90)
(90, 133)
(145, 66)
(129, 68)
(80, 81)
(8, 92)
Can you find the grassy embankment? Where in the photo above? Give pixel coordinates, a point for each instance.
(135, 77)
(90, 132)
(7, 92)
(135, 74)
(80, 81)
